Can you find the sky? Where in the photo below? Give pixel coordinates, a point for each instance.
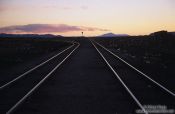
(93, 17)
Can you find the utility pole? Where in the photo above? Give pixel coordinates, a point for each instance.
(82, 34)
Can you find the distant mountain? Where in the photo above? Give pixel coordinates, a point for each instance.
(3, 35)
(113, 35)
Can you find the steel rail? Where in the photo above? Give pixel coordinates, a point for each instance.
(145, 75)
(34, 68)
(13, 108)
(122, 82)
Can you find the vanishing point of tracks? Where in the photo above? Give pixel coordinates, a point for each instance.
(141, 88)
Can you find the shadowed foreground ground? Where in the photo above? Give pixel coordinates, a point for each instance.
(83, 85)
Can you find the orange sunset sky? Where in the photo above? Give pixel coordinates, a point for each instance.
(94, 17)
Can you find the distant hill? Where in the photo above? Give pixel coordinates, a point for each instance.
(161, 33)
(113, 35)
(3, 35)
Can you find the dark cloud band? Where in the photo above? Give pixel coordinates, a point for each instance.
(46, 28)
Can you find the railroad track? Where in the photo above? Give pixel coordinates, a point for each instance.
(16, 91)
(144, 90)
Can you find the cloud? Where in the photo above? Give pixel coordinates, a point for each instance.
(18, 7)
(46, 28)
(84, 7)
(4, 8)
(11, 8)
(66, 7)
